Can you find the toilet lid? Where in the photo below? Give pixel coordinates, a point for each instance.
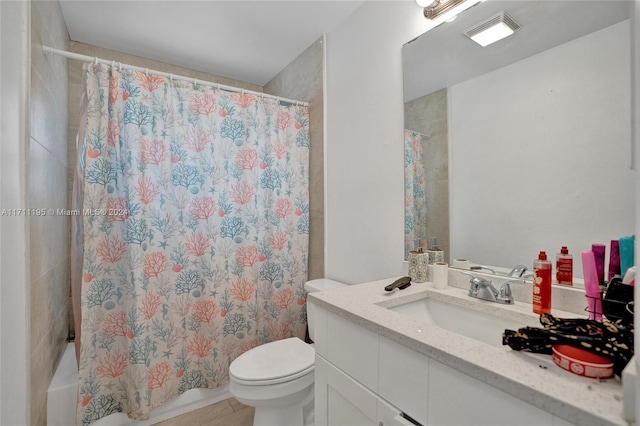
(273, 361)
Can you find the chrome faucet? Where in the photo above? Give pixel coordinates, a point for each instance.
(483, 289)
(480, 267)
(518, 271)
(504, 294)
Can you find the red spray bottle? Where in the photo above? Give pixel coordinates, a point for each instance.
(542, 271)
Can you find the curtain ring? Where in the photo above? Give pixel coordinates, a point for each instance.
(96, 61)
(113, 64)
(171, 77)
(119, 66)
(146, 72)
(218, 86)
(242, 91)
(195, 81)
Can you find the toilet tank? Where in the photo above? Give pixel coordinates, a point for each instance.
(319, 284)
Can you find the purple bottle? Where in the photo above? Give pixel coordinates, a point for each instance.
(614, 260)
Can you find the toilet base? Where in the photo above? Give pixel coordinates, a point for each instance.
(282, 416)
(277, 417)
(297, 414)
(283, 404)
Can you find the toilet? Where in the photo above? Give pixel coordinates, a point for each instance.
(277, 378)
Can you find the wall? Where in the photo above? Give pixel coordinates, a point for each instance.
(14, 229)
(428, 115)
(302, 80)
(364, 152)
(48, 187)
(552, 133)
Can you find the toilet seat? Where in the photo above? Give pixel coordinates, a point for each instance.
(272, 363)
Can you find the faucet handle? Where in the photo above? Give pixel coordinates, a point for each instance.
(479, 281)
(504, 294)
(476, 284)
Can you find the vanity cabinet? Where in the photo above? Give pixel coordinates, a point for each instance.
(363, 378)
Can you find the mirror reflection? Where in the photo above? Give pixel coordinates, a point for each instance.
(525, 144)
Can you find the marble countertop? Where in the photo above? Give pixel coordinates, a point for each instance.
(579, 400)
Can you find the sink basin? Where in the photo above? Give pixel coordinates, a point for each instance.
(472, 323)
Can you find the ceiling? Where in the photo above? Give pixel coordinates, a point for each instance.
(249, 41)
(444, 56)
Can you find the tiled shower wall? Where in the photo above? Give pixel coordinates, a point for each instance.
(428, 115)
(48, 188)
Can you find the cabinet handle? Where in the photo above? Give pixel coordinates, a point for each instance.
(403, 419)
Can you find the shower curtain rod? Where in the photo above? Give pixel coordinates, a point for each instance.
(86, 58)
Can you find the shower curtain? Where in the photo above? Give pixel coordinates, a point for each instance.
(415, 196)
(195, 224)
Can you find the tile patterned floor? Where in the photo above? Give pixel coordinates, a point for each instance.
(229, 412)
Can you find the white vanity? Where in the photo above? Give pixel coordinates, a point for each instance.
(420, 352)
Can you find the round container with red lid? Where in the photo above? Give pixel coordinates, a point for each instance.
(581, 362)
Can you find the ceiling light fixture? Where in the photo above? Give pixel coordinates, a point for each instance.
(493, 29)
(435, 8)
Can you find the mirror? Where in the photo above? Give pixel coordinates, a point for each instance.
(526, 143)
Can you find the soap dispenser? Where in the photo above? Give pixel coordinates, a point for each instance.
(435, 254)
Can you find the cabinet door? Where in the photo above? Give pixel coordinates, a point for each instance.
(340, 400)
(404, 379)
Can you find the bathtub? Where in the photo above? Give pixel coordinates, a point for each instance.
(63, 393)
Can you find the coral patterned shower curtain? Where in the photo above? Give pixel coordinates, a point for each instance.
(415, 195)
(195, 222)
